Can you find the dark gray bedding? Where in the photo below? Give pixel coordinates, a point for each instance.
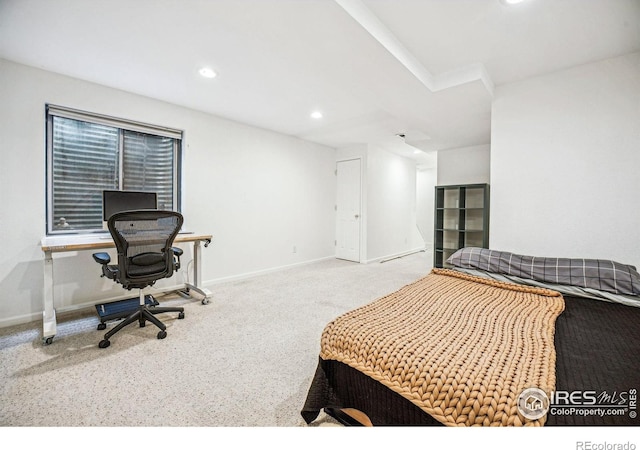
(598, 274)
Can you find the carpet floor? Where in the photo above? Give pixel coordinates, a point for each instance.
(246, 359)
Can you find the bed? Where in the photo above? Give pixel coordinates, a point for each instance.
(495, 339)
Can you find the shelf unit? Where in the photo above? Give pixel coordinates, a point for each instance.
(461, 219)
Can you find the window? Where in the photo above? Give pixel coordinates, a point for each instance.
(88, 153)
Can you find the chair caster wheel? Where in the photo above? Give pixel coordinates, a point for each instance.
(162, 334)
(142, 323)
(102, 326)
(104, 343)
(181, 315)
(47, 340)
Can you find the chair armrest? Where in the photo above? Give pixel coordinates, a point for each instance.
(102, 258)
(177, 252)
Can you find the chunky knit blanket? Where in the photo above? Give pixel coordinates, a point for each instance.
(460, 347)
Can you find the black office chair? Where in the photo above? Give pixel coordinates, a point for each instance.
(144, 242)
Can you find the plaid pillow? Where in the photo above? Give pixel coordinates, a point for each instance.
(600, 274)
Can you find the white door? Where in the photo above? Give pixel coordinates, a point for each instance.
(348, 210)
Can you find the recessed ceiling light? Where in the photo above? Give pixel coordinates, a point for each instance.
(417, 152)
(511, 2)
(316, 115)
(207, 72)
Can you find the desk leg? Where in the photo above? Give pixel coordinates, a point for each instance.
(197, 274)
(49, 312)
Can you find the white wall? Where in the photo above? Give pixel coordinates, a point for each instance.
(258, 192)
(565, 163)
(391, 205)
(425, 203)
(468, 165)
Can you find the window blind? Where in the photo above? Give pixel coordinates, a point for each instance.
(148, 166)
(85, 162)
(88, 153)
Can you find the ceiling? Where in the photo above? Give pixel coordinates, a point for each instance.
(375, 68)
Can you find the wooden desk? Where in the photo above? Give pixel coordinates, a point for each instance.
(72, 243)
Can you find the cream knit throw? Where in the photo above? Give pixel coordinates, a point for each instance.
(460, 347)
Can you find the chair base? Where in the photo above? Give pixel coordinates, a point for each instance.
(144, 312)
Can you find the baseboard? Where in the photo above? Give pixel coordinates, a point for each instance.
(19, 320)
(248, 275)
(396, 255)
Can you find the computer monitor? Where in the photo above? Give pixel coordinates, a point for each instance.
(116, 201)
